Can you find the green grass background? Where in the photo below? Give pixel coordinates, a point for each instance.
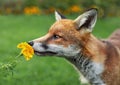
(40, 70)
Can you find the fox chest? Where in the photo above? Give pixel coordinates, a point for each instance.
(91, 71)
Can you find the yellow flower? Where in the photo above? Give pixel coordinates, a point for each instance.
(75, 8)
(27, 50)
(32, 10)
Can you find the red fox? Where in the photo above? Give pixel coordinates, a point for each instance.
(97, 60)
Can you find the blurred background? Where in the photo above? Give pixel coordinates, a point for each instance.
(24, 20)
(16, 7)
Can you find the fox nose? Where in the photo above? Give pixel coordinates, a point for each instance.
(31, 43)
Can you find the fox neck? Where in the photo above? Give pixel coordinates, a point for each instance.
(90, 70)
(87, 64)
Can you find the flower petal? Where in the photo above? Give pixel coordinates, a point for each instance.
(27, 50)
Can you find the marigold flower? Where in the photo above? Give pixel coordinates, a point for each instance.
(27, 50)
(32, 10)
(75, 8)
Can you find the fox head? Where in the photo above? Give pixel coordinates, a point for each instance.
(66, 37)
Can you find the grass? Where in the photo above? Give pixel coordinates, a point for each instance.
(40, 70)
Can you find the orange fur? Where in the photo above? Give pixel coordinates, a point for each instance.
(106, 52)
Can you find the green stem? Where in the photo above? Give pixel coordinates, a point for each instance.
(18, 55)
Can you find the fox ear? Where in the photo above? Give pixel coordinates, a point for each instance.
(87, 20)
(59, 16)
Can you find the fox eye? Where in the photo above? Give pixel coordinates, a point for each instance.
(56, 37)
